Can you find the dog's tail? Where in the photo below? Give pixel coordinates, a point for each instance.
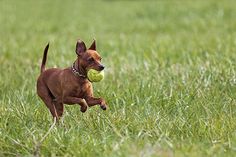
(44, 58)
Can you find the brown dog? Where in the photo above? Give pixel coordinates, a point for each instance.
(57, 87)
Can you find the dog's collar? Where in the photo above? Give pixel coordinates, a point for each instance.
(76, 72)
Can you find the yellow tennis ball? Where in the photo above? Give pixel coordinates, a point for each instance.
(95, 76)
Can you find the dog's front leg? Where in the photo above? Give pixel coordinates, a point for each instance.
(74, 100)
(91, 101)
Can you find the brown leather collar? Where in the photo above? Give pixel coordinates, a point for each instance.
(76, 72)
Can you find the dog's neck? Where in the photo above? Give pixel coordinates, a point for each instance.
(78, 70)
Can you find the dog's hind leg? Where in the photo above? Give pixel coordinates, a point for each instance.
(45, 94)
(59, 108)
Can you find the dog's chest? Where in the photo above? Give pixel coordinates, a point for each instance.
(82, 90)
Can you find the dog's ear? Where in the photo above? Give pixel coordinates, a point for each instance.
(80, 47)
(93, 46)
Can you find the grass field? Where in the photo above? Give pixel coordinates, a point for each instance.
(170, 79)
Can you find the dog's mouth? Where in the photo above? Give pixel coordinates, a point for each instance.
(98, 68)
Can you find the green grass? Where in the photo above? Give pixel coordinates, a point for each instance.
(170, 78)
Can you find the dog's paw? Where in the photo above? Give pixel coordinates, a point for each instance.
(83, 108)
(104, 107)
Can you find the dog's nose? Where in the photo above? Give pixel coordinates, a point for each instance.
(101, 67)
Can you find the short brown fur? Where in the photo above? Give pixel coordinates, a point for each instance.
(57, 87)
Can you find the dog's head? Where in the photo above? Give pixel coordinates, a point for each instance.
(88, 58)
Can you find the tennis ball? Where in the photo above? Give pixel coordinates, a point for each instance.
(94, 75)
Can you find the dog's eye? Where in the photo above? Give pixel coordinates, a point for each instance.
(91, 59)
